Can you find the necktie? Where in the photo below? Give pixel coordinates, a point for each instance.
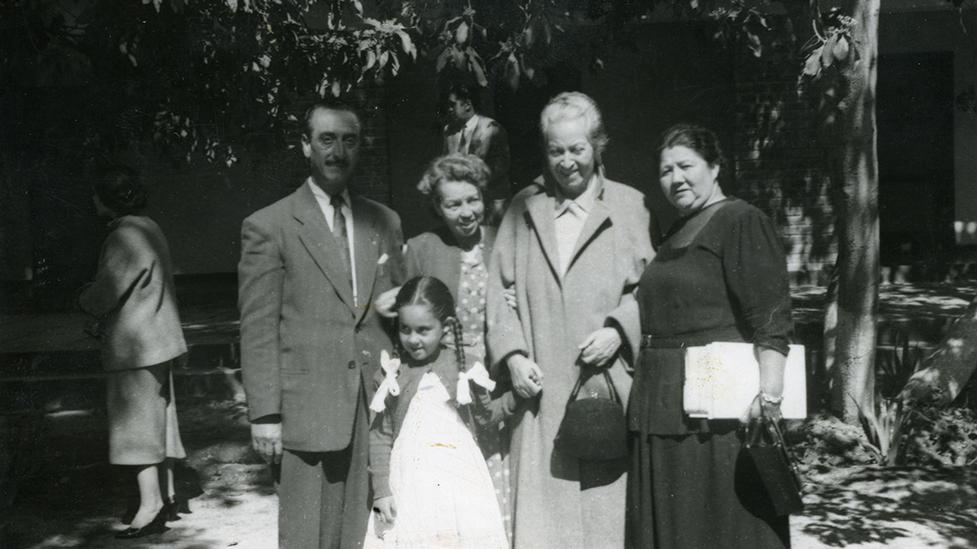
(463, 142)
(339, 231)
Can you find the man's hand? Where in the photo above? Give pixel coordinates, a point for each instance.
(266, 438)
(388, 509)
(384, 303)
(599, 347)
(527, 378)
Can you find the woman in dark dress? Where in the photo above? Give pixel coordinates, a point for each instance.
(720, 275)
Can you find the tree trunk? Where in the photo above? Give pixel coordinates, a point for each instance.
(857, 224)
(947, 370)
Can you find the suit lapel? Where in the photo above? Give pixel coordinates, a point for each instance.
(367, 250)
(540, 208)
(317, 239)
(475, 143)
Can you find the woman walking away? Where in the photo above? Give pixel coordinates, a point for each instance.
(133, 302)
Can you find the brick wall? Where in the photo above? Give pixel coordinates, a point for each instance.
(779, 165)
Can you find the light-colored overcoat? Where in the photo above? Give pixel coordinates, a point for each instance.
(133, 297)
(561, 502)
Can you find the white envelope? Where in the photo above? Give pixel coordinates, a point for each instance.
(722, 379)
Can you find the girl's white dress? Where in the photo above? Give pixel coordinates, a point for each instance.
(441, 485)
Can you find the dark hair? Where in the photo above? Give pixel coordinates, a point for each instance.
(701, 140)
(330, 104)
(464, 92)
(454, 167)
(430, 291)
(118, 187)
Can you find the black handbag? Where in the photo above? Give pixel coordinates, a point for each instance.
(765, 445)
(593, 428)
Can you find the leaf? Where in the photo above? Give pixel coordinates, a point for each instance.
(336, 88)
(459, 58)
(394, 64)
(371, 59)
(826, 57)
(813, 64)
(512, 72)
(443, 58)
(359, 6)
(407, 44)
(755, 45)
(461, 33)
(526, 68)
(841, 49)
(528, 37)
(478, 70)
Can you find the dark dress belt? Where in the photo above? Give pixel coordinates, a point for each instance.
(695, 339)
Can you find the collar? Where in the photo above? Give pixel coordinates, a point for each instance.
(585, 201)
(469, 126)
(322, 195)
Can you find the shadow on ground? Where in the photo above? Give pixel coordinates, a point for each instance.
(904, 507)
(73, 498)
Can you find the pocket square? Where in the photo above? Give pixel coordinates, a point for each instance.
(383, 259)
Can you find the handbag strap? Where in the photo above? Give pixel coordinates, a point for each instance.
(772, 428)
(584, 375)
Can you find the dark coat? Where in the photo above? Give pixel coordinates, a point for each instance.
(436, 254)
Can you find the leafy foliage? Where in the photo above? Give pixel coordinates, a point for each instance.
(888, 425)
(832, 45)
(202, 77)
(943, 437)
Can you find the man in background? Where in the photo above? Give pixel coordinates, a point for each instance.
(468, 132)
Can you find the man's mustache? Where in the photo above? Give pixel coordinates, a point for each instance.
(337, 162)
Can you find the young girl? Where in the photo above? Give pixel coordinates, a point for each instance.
(430, 482)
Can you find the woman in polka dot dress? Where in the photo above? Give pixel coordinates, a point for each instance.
(456, 253)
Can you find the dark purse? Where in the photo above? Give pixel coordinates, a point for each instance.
(775, 466)
(594, 428)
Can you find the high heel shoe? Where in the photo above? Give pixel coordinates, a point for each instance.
(174, 507)
(131, 509)
(155, 526)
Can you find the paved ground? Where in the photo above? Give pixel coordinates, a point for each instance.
(68, 496)
(71, 500)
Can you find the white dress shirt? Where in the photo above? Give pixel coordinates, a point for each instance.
(468, 130)
(325, 204)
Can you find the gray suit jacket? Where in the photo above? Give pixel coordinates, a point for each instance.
(306, 348)
(489, 142)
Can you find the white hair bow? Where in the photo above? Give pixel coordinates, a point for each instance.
(479, 375)
(388, 386)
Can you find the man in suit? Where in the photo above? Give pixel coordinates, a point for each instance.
(471, 133)
(310, 267)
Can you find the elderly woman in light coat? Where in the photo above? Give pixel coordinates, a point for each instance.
(573, 247)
